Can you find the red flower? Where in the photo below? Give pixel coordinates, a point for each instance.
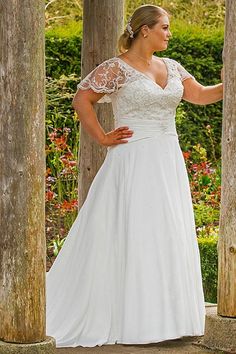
(48, 171)
(195, 167)
(49, 195)
(52, 135)
(61, 142)
(65, 159)
(186, 154)
(72, 163)
(67, 205)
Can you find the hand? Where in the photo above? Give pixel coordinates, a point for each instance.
(116, 136)
(222, 74)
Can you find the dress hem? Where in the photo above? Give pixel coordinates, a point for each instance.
(151, 341)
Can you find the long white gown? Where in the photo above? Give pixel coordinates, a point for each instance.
(129, 270)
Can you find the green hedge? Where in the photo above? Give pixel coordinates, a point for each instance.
(62, 56)
(209, 266)
(198, 50)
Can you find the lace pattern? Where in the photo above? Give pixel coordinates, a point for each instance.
(137, 100)
(107, 78)
(113, 73)
(184, 74)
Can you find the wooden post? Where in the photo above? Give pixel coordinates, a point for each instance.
(102, 25)
(227, 239)
(22, 153)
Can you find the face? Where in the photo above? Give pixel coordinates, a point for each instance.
(159, 34)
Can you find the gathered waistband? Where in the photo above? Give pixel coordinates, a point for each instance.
(142, 136)
(147, 128)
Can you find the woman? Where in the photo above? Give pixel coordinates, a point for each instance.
(129, 270)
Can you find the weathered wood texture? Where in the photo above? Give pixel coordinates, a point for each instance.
(102, 25)
(227, 239)
(22, 138)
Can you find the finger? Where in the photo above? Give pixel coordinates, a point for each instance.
(123, 141)
(124, 134)
(122, 128)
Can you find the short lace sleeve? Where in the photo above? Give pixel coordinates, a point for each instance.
(184, 73)
(105, 78)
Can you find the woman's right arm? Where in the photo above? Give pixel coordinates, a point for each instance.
(83, 103)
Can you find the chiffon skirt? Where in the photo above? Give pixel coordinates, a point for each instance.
(129, 271)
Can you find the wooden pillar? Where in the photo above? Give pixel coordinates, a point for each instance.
(227, 238)
(102, 25)
(22, 154)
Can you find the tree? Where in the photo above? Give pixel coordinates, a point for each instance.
(227, 238)
(99, 43)
(22, 242)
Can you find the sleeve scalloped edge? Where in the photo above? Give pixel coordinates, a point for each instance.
(97, 90)
(189, 77)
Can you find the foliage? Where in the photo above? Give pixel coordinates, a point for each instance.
(56, 244)
(205, 180)
(58, 12)
(204, 13)
(209, 266)
(208, 13)
(206, 219)
(205, 184)
(72, 29)
(62, 144)
(62, 54)
(205, 190)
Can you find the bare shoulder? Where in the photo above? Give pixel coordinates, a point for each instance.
(125, 58)
(174, 62)
(162, 60)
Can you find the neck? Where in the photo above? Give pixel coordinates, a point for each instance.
(139, 49)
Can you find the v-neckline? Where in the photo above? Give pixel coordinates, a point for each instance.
(146, 76)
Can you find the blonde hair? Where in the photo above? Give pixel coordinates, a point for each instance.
(143, 15)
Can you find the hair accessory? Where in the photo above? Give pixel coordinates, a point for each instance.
(129, 29)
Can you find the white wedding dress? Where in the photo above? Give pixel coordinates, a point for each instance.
(129, 270)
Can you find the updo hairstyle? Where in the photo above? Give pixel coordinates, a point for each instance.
(143, 15)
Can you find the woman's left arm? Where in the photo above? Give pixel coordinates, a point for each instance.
(198, 94)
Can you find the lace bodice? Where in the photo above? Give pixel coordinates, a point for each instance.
(138, 101)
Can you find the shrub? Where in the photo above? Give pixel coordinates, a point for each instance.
(209, 266)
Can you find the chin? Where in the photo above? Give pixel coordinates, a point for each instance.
(161, 50)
